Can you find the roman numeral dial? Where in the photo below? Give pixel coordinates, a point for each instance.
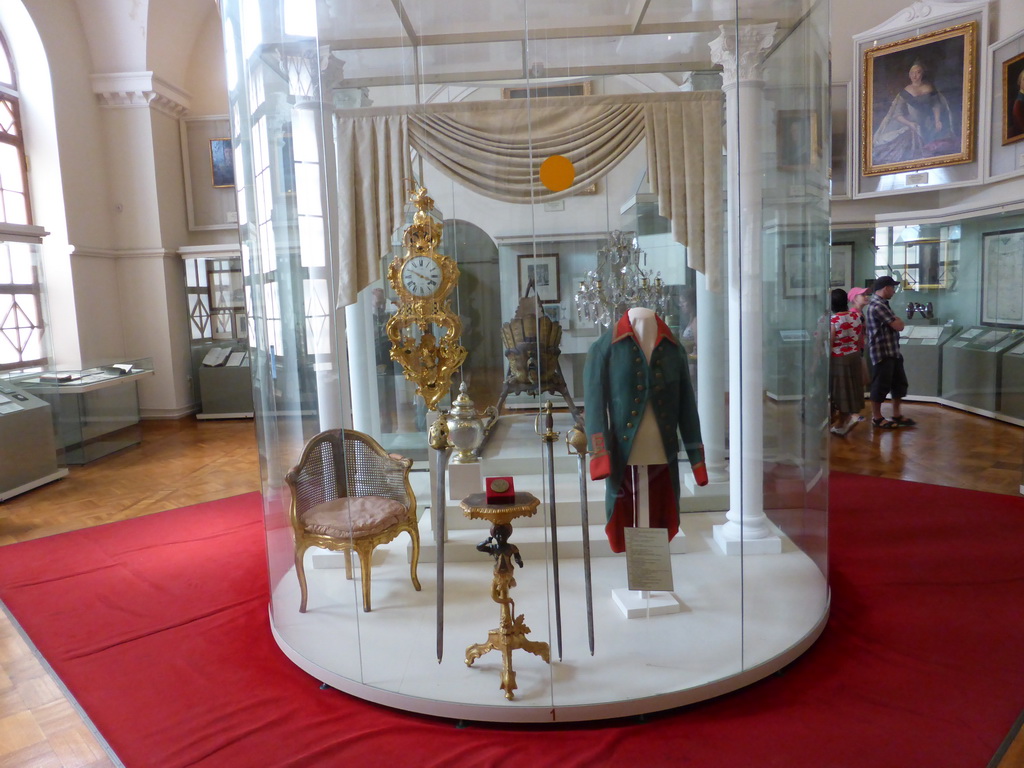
(421, 276)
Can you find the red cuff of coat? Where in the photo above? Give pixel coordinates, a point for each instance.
(600, 461)
(700, 473)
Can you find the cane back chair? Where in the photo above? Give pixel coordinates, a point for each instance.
(349, 494)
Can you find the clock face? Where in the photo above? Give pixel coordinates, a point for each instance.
(421, 276)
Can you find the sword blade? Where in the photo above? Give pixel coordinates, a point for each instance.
(554, 543)
(440, 456)
(588, 584)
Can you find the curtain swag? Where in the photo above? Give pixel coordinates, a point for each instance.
(495, 148)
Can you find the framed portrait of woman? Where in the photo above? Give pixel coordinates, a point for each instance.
(919, 101)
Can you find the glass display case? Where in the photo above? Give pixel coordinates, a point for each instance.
(96, 409)
(961, 295)
(972, 366)
(354, 128)
(219, 331)
(28, 450)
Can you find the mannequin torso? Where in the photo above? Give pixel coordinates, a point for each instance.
(648, 447)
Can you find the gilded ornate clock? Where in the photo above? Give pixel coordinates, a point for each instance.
(424, 332)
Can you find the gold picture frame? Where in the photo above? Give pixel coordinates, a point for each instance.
(919, 101)
(926, 267)
(222, 163)
(1013, 96)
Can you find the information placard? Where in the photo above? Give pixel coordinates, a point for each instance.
(648, 562)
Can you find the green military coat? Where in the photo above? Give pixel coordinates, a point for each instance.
(619, 384)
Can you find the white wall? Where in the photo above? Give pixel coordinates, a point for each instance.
(851, 18)
(121, 291)
(83, 160)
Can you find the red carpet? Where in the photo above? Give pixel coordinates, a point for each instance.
(159, 627)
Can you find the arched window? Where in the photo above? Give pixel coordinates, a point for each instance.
(21, 325)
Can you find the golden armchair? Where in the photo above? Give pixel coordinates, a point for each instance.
(349, 494)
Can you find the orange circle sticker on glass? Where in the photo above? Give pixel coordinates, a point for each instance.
(557, 173)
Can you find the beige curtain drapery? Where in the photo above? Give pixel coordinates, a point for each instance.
(495, 148)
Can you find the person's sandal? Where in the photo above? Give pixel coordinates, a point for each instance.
(884, 423)
(903, 421)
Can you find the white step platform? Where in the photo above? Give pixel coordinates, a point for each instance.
(739, 621)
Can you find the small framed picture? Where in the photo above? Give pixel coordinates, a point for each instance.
(925, 256)
(584, 88)
(1013, 99)
(553, 312)
(841, 265)
(222, 163)
(797, 271)
(540, 271)
(222, 323)
(797, 139)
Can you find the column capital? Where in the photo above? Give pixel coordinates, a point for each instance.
(741, 51)
(139, 89)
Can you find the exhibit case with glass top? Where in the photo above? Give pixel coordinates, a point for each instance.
(28, 449)
(96, 409)
(453, 220)
(921, 345)
(972, 366)
(1012, 394)
(219, 331)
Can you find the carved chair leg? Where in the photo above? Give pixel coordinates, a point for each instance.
(300, 571)
(348, 564)
(364, 569)
(414, 535)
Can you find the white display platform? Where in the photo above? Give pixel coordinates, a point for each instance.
(635, 604)
(714, 645)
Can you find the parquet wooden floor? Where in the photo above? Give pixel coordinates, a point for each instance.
(187, 461)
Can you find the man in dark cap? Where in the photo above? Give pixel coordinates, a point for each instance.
(888, 376)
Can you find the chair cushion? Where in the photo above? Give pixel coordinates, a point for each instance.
(355, 516)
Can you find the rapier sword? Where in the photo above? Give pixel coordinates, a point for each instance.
(438, 440)
(549, 436)
(576, 440)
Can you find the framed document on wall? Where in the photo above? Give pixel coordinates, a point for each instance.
(841, 265)
(1002, 278)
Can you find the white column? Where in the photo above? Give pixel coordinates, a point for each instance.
(712, 362)
(741, 54)
(140, 114)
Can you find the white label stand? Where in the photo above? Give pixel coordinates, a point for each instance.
(647, 560)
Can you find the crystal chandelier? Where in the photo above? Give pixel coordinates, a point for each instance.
(619, 283)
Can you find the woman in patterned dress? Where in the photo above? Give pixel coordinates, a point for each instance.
(846, 378)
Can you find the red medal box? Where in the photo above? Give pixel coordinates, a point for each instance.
(499, 490)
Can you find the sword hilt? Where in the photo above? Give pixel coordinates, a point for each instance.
(576, 442)
(544, 424)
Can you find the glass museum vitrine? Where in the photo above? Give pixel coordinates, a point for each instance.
(452, 225)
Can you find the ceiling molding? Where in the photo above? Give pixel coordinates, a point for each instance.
(139, 89)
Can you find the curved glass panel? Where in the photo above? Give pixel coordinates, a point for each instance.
(614, 284)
